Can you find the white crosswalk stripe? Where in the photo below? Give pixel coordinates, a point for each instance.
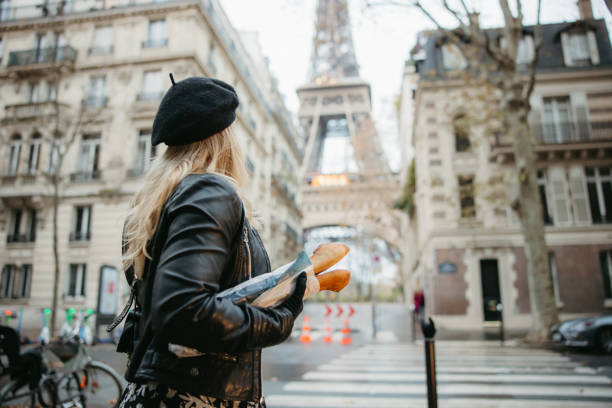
(470, 374)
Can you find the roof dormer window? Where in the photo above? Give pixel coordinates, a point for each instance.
(453, 58)
(579, 48)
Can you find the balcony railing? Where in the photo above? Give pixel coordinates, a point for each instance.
(136, 172)
(76, 236)
(155, 43)
(42, 56)
(20, 238)
(100, 50)
(572, 131)
(85, 175)
(94, 102)
(23, 111)
(149, 96)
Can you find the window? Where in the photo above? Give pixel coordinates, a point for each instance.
(76, 280)
(543, 197)
(599, 188)
(157, 35)
(579, 48)
(557, 124)
(152, 86)
(462, 137)
(525, 51)
(34, 154)
(605, 259)
(51, 91)
(14, 153)
(144, 153)
(82, 220)
(5, 10)
(15, 227)
(452, 58)
(466, 196)
(15, 281)
(552, 264)
(102, 41)
(34, 93)
(89, 158)
(211, 58)
(54, 157)
(97, 92)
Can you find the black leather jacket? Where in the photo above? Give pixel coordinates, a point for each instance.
(203, 244)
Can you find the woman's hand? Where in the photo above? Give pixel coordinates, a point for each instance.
(295, 302)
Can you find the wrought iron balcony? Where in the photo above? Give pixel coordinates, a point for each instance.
(76, 236)
(145, 96)
(24, 111)
(136, 172)
(85, 175)
(572, 131)
(100, 50)
(94, 102)
(20, 238)
(65, 54)
(155, 43)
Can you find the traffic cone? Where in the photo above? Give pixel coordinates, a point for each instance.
(327, 338)
(346, 333)
(305, 337)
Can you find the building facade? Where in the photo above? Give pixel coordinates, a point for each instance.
(469, 253)
(81, 80)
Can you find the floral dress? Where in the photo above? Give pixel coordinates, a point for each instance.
(159, 395)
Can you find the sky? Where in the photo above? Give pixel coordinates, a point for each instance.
(382, 36)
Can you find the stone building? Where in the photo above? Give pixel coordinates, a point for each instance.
(466, 249)
(96, 70)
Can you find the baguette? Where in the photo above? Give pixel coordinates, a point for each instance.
(334, 280)
(327, 255)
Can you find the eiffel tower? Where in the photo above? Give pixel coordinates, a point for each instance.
(347, 180)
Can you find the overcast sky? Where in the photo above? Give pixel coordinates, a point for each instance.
(382, 36)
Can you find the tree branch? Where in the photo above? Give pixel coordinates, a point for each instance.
(537, 44)
(455, 14)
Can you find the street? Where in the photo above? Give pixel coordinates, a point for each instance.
(390, 371)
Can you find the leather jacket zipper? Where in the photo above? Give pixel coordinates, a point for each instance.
(246, 242)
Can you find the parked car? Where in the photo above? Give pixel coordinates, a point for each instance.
(588, 332)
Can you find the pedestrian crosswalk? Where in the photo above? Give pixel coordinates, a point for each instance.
(469, 374)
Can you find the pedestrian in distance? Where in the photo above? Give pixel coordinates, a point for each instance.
(189, 234)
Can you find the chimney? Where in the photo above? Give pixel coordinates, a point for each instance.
(585, 9)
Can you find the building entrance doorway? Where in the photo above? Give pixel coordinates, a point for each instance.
(489, 276)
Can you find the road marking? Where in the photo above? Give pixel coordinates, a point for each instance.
(368, 367)
(450, 389)
(442, 377)
(309, 400)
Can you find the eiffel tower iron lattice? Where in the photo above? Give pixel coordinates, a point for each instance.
(346, 176)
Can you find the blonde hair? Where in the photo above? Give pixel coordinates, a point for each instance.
(220, 154)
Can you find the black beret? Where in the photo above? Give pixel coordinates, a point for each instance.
(192, 110)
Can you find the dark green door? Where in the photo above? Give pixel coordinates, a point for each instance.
(489, 276)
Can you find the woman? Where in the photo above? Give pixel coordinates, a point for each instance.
(188, 235)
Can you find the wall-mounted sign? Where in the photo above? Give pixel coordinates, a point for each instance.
(447, 267)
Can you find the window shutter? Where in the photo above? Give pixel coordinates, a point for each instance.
(559, 199)
(579, 196)
(567, 58)
(579, 103)
(593, 51)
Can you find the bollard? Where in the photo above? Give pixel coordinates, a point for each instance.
(412, 323)
(429, 331)
(500, 310)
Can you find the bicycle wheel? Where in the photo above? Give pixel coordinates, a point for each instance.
(102, 385)
(15, 393)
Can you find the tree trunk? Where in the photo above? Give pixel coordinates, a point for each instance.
(529, 208)
(55, 253)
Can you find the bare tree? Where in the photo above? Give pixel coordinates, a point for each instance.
(494, 65)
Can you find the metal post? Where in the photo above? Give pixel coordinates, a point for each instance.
(500, 310)
(429, 331)
(412, 324)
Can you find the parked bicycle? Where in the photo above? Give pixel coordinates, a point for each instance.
(59, 374)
